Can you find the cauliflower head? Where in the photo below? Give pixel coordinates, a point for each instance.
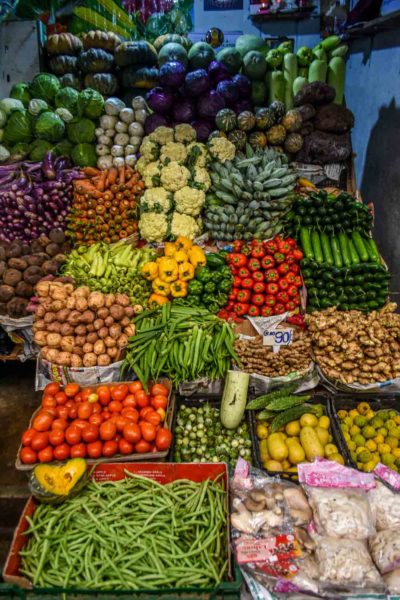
(173, 151)
(156, 200)
(141, 165)
(185, 133)
(149, 150)
(162, 135)
(189, 201)
(184, 225)
(153, 226)
(201, 178)
(198, 155)
(222, 149)
(174, 176)
(151, 174)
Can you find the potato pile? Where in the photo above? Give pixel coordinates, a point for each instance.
(75, 327)
(22, 265)
(353, 347)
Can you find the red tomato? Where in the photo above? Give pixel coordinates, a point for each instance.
(70, 403)
(51, 389)
(129, 401)
(56, 437)
(78, 451)
(61, 398)
(42, 421)
(159, 402)
(49, 402)
(46, 455)
(96, 408)
(28, 436)
(125, 447)
(119, 392)
(94, 449)
(52, 411)
(104, 394)
(78, 398)
(96, 419)
(132, 433)
(73, 412)
(85, 409)
(159, 389)
(62, 412)
(110, 448)
(61, 452)
(162, 413)
(163, 439)
(86, 393)
(71, 389)
(59, 424)
(153, 417)
(73, 435)
(145, 411)
(118, 437)
(131, 414)
(120, 422)
(148, 431)
(90, 433)
(108, 431)
(81, 423)
(142, 399)
(28, 456)
(115, 406)
(142, 447)
(135, 386)
(106, 415)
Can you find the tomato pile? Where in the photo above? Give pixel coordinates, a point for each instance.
(97, 422)
(266, 278)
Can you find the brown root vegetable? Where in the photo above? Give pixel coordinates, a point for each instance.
(3, 253)
(44, 352)
(67, 343)
(39, 325)
(87, 317)
(109, 300)
(99, 347)
(113, 352)
(117, 312)
(54, 327)
(12, 277)
(52, 355)
(108, 321)
(74, 318)
(36, 247)
(125, 322)
(24, 289)
(80, 340)
(98, 324)
(115, 331)
(130, 330)
(43, 240)
(87, 348)
(40, 338)
(129, 311)
(36, 260)
(54, 340)
(60, 258)
(57, 305)
(66, 329)
(81, 304)
(110, 342)
(64, 359)
(6, 293)
(40, 312)
(103, 332)
(49, 317)
(50, 267)
(122, 341)
(58, 291)
(3, 308)
(63, 314)
(92, 337)
(103, 313)
(13, 250)
(57, 236)
(70, 303)
(82, 291)
(90, 360)
(77, 350)
(80, 330)
(76, 360)
(43, 289)
(122, 299)
(52, 249)
(17, 263)
(96, 300)
(103, 360)
(3, 268)
(68, 286)
(33, 274)
(90, 327)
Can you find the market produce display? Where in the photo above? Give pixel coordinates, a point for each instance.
(211, 284)
(112, 269)
(250, 194)
(172, 165)
(200, 436)
(120, 133)
(105, 205)
(75, 327)
(106, 421)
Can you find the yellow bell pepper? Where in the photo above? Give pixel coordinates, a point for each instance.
(179, 289)
(160, 287)
(169, 249)
(186, 271)
(181, 257)
(168, 269)
(157, 299)
(183, 243)
(197, 257)
(150, 271)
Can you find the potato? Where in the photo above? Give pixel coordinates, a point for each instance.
(99, 347)
(103, 313)
(41, 338)
(81, 304)
(110, 342)
(103, 360)
(80, 330)
(115, 331)
(98, 324)
(90, 360)
(67, 343)
(92, 338)
(96, 300)
(87, 317)
(117, 312)
(87, 348)
(109, 300)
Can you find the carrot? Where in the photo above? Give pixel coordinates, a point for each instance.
(102, 181)
(91, 171)
(121, 174)
(112, 176)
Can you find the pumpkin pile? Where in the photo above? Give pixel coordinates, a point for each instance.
(62, 51)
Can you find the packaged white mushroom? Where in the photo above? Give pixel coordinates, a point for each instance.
(385, 549)
(385, 507)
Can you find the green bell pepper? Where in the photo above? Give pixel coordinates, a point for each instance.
(195, 288)
(304, 56)
(226, 272)
(221, 299)
(225, 286)
(203, 274)
(210, 287)
(274, 58)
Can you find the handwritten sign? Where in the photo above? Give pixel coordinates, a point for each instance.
(278, 337)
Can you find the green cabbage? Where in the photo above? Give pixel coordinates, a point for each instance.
(18, 128)
(3, 118)
(90, 104)
(81, 131)
(63, 148)
(9, 105)
(45, 87)
(67, 98)
(20, 151)
(20, 91)
(37, 106)
(38, 150)
(84, 155)
(50, 127)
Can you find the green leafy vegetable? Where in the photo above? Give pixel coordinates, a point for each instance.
(45, 87)
(90, 104)
(37, 106)
(20, 91)
(67, 98)
(81, 131)
(9, 105)
(84, 155)
(18, 128)
(50, 127)
(38, 149)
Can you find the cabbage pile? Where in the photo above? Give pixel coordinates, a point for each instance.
(42, 116)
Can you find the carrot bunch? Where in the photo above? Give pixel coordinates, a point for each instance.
(105, 205)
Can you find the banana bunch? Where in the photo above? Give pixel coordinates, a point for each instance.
(249, 195)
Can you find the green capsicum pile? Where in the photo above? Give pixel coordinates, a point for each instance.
(212, 283)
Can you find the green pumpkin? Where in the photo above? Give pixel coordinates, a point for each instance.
(140, 77)
(257, 139)
(226, 119)
(292, 121)
(246, 120)
(172, 52)
(238, 138)
(293, 143)
(55, 483)
(60, 65)
(174, 38)
(216, 134)
(276, 135)
(95, 60)
(105, 83)
(265, 118)
(138, 53)
(279, 109)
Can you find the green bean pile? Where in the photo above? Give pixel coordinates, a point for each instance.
(181, 343)
(130, 534)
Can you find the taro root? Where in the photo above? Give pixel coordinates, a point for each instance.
(17, 263)
(334, 118)
(307, 112)
(17, 307)
(3, 267)
(3, 308)
(50, 267)
(316, 92)
(57, 236)
(13, 250)
(36, 246)
(2, 253)
(52, 249)
(12, 277)
(24, 289)
(33, 274)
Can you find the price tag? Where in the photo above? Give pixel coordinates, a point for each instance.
(278, 337)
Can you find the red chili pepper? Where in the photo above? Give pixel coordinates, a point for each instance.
(241, 309)
(258, 252)
(254, 264)
(298, 255)
(238, 260)
(298, 281)
(279, 257)
(246, 250)
(258, 299)
(237, 245)
(247, 283)
(279, 309)
(283, 268)
(284, 247)
(237, 282)
(244, 296)
(282, 297)
(258, 275)
(290, 277)
(267, 311)
(267, 262)
(259, 287)
(271, 275)
(293, 291)
(254, 311)
(270, 246)
(243, 273)
(272, 288)
(270, 300)
(290, 305)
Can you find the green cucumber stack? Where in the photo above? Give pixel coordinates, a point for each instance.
(250, 195)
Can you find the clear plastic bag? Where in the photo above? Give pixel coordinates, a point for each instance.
(385, 507)
(385, 549)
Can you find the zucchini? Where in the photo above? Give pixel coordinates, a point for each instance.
(337, 257)
(336, 77)
(343, 241)
(305, 241)
(326, 249)
(372, 250)
(359, 245)
(289, 74)
(234, 398)
(318, 70)
(355, 259)
(316, 246)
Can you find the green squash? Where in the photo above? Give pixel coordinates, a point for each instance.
(265, 118)
(200, 55)
(238, 138)
(60, 65)
(55, 483)
(257, 139)
(172, 52)
(254, 66)
(95, 60)
(105, 83)
(246, 120)
(138, 53)
(140, 77)
(174, 38)
(226, 119)
(276, 135)
(247, 42)
(231, 58)
(259, 93)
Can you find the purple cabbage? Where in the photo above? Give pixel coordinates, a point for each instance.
(160, 100)
(228, 91)
(172, 74)
(243, 85)
(210, 104)
(197, 82)
(184, 111)
(203, 129)
(153, 121)
(217, 72)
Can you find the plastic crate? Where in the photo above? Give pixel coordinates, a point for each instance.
(20, 587)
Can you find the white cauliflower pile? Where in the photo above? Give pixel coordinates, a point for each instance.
(173, 166)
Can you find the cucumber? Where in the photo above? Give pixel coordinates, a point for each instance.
(326, 249)
(316, 246)
(305, 241)
(337, 257)
(355, 259)
(343, 241)
(318, 70)
(372, 250)
(336, 77)
(289, 74)
(234, 398)
(359, 245)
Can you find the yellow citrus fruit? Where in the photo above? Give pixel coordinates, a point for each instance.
(368, 432)
(360, 449)
(360, 420)
(388, 459)
(324, 422)
(378, 439)
(371, 445)
(369, 466)
(351, 445)
(396, 452)
(392, 441)
(363, 408)
(370, 414)
(390, 424)
(262, 431)
(293, 428)
(337, 458)
(384, 448)
(376, 422)
(342, 414)
(354, 429)
(397, 419)
(353, 413)
(331, 449)
(383, 431)
(364, 456)
(359, 440)
(395, 432)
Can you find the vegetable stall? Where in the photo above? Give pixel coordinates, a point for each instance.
(218, 355)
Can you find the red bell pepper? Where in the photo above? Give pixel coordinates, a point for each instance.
(298, 282)
(272, 288)
(237, 245)
(256, 243)
(237, 282)
(297, 300)
(254, 264)
(246, 250)
(258, 299)
(293, 291)
(283, 284)
(267, 262)
(267, 311)
(298, 255)
(238, 260)
(271, 275)
(270, 300)
(290, 305)
(233, 294)
(230, 305)
(279, 309)
(243, 273)
(282, 297)
(279, 257)
(297, 320)
(295, 268)
(243, 296)
(259, 287)
(258, 275)
(223, 314)
(291, 242)
(258, 252)
(283, 268)
(290, 277)
(254, 311)
(270, 246)
(247, 283)
(284, 247)
(241, 309)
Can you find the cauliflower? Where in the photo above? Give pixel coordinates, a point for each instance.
(141, 165)
(174, 176)
(185, 133)
(184, 225)
(156, 200)
(201, 178)
(149, 149)
(222, 149)
(197, 154)
(173, 151)
(162, 135)
(153, 226)
(151, 174)
(189, 201)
